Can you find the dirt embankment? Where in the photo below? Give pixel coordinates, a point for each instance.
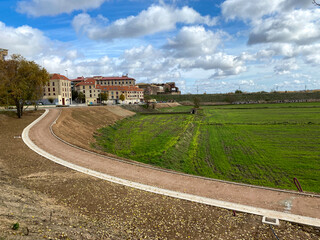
(164, 105)
(78, 125)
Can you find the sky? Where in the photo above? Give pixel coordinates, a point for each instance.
(202, 45)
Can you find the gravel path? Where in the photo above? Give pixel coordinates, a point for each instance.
(267, 199)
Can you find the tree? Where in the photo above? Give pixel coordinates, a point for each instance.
(22, 81)
(196, 102)
(122, 97)
(74, 94)
(81, 97)
(103, 96)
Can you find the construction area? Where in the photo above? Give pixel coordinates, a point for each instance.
(50, 201)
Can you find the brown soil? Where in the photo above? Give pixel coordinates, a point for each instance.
(52, 202)
(165, 105)
(79, 125)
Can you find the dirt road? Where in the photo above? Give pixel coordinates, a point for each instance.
(278, 201)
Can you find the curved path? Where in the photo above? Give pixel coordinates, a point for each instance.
(287, 206)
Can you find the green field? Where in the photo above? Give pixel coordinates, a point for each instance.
(264, 145)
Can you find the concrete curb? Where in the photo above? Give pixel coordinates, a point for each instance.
(208, 201)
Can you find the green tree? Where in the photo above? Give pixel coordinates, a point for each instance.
(22, 81)
(74, 94)
(122, 97)
(103, 96)
(196, 102)
(81, 97)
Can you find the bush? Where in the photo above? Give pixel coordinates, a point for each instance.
(15, 226)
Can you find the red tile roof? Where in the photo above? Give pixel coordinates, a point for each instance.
(114, 78)
(89, 81)
(119, 88)
(78, 79)
(58, 76)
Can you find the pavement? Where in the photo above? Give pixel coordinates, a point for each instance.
(271, 203)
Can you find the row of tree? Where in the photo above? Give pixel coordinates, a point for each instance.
(21, 81)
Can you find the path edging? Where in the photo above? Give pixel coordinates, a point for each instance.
(189, 197)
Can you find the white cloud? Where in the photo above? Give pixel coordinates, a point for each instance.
(153, 20)
(299, 27)
(286, 66)
(24, 40)
(254, 10)
(248, 9)
(194, 41)
(39, 8)
(223, 64)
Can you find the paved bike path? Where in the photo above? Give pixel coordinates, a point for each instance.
(283, 205)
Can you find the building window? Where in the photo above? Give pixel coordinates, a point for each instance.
(84, 91)
(48, 84)
(90, 95)
(54, 94)
(49, 94)
(44, 94)
(48, 89)
(52, 83)
(89, 87)
(83, 87)
(53, 89)
(90, 91)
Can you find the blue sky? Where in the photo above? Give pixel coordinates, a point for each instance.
(204, 46)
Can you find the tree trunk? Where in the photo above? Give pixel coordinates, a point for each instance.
(21, 105)
(18, 107)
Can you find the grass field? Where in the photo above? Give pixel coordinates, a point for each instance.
(264, 145)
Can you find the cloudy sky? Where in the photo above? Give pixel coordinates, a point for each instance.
(205, 46)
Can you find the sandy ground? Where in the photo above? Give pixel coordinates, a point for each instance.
(52, 202)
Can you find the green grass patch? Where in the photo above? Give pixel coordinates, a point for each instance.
(267, 146)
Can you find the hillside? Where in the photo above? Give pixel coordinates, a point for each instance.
(77, 125)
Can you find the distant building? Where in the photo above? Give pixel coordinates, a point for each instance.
(114, 86)
(160, 88)
(58, 90)
(115, 81)
(3, 53)
(74, 82)
(88, 88)
(132, 94)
